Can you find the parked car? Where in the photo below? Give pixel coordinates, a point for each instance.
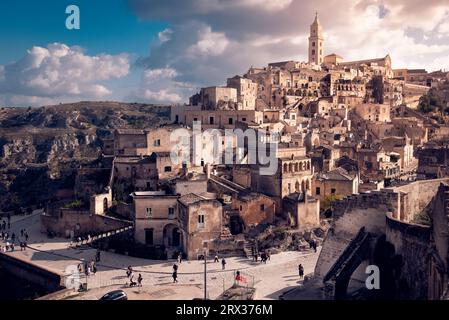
(115, 295)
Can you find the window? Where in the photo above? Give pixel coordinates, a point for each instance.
(333, 191)
(211, 120)
(201, 221)
(167, 169)
(313, 51)
(149, 213)
(171, 213)
(313, 44)
(262, 207)
(318, 191)
(157, 143)
(244, 119)
(195, 119)
(231, 121)
(241, 208)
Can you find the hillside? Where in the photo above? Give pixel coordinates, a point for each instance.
(40, 148)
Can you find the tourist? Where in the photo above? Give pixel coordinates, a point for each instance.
(268, 255)
(139, 280)
(223, 264)
(238, 277)
(216, 260)
(26, 236)
(98, 256)
(175, 276)
(301, 271)
(180, 258)
(129, 272)
(175, 267)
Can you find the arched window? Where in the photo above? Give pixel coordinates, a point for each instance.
(296, 167)
(290, 167)
(297, 186)
(307, 185)
(285, 168)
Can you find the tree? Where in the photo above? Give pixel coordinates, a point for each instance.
(329, 200)
(431, 102)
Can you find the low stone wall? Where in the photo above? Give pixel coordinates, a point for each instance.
(80, 222)
(46, 279)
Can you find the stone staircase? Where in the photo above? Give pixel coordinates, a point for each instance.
(248, 247)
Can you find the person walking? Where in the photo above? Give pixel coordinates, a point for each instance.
(175, 268)
(98, 256)
(223, 264)
(180, 258)
(301, 271)
(216, 260)
(175, 277)
(139, 280)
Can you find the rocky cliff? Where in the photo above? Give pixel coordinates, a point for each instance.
(42, 147)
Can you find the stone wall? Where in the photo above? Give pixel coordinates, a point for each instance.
(79, 222)
(411, 242)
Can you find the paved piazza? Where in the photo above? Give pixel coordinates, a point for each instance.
(271, 280)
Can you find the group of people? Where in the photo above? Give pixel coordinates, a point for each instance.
(10, 240)
(88, 268)
(264, 256)
(130, 276)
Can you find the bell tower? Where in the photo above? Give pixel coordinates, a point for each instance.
(316, 42)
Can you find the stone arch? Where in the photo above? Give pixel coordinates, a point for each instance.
(285, 168)
(308, 165)
(307, 184)
(172, 235)
(296, 167)
(297, 186)
(290, 167)
(303, 186)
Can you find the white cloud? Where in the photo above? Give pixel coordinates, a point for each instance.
(209, 43)
(157, 74)
(165, 35)
(60, 71)
(163, 96)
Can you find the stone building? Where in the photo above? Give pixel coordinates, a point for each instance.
(155, 220)
(246, 92)
(374, 112)
(337, 182)
(216, 98)
(302, 210)
(254, 208)
(201, 221)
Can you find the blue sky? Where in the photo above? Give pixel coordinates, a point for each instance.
(162, 51)
(106, 26)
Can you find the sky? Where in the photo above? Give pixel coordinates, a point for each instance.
(163, 51)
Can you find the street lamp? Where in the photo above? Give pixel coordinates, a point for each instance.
(205, 275)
